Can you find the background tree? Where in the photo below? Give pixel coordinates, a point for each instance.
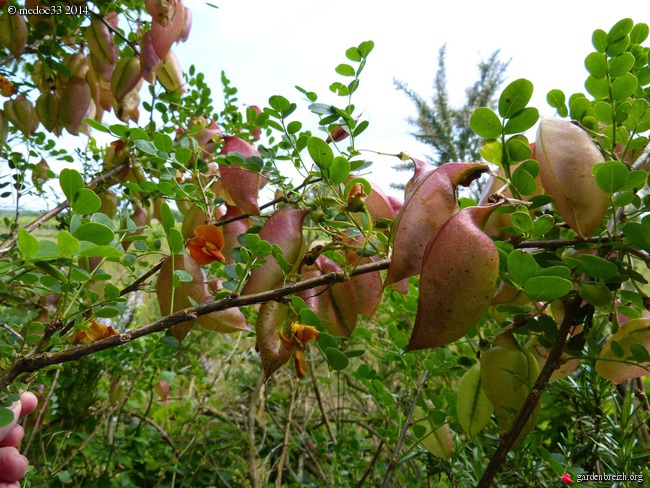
(446, 129)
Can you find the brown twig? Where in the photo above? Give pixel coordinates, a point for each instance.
(557, 243)
(41, 412)
(371, 466)
(642, 159)
(138, 283)
(285, 442)
(552, 363)
(252, 451)
(319, 400)
(268, 204)
(407, 422)
(36, 362)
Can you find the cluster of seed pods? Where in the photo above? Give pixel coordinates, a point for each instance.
(99, 77)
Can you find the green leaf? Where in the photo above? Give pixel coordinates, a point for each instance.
(523, 177)
(108, 312)
(521, 266)
(596, 64)
(597, 267)
(492, 151)
(309, 317)
(108, 252)
(557, 100)
(182, 155)
(621, 64)
(353, 54)
(183, 276)
(365, 48)
(175, 240)
(163, 143)
(345, 70)
(639, 352)
(339, 170)
(618, 47)
(6, 416)
(639, 33)
(598, 88)
(595, 293)
(523, 121)
(514, 98)
(119, 130)
(27, 243)
(138, 134)
(93, 232)
(547, 288)
(96, 125)
(167, 217)
(578, 105)
(67, 243)
(617, 349)
(282, 105)
(86, 202)
(559, 271)
(518, 148)
(472, 406)
(542, 225)
(599, 40)
(619, 30)
(320, 152)
(327, 341)
(146, 147)
(485, 123)
(522, 221)
(336, 359)
(612, 176)
(604, 112)
(71, 182)
(623, 87)
(635, 180)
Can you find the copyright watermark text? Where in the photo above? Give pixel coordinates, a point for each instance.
(49, 11)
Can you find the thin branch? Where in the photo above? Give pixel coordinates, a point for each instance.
(7, 245)
(557, 243)
(137, 283)
(39, 361)
(402, 436)
(642, 159)
(41, 412)
(319, 400)
(552, 363)
(371, 466)
(285, 442)
(252, 451)
(161, 431)
(280, 199)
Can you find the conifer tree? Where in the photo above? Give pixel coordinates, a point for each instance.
(445, 128)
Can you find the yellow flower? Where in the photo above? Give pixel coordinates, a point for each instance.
(300, 335)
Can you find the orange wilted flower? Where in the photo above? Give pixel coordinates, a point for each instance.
(300, 334)
(207, 244)
(97, 331)
(7, 88)
(356, 198)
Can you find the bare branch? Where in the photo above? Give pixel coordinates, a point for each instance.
(402, 436)
(552, 363)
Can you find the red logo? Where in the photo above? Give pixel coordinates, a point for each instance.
(566, 478)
